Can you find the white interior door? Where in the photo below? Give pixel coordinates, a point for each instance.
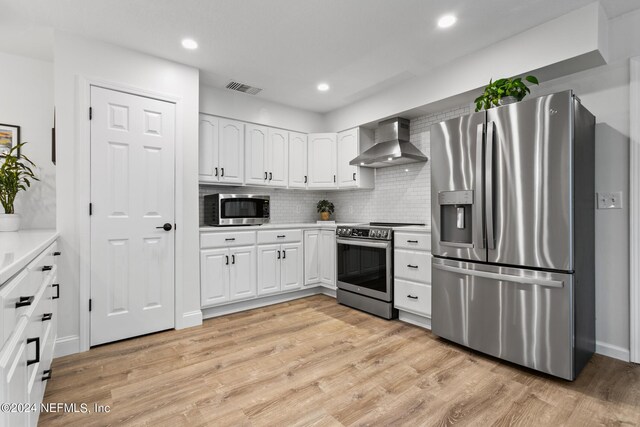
(132, 194)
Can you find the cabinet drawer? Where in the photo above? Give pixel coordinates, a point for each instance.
(416, 241)
(412, 265)
(412, 297)
(47, 259)
(279, 236)
(16, 297)
(227, 239)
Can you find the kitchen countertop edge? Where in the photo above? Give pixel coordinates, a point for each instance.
(36, 242)
(304, 225)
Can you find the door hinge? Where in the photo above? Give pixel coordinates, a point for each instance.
(90, 208)
(89, 304)
(90, 113)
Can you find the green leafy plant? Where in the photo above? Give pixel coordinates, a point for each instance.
(325, 206)
(15, 176)
(501, 88)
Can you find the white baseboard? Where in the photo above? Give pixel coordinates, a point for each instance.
(236, 307)
(330, 292)
(414, 319)
(65, 346)
(190, 319)
(612, 351)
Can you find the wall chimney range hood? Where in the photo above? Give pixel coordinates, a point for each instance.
(394, 148)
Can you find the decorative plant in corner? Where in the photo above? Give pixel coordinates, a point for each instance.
(15, 176)
(499, 92)
(325, 208)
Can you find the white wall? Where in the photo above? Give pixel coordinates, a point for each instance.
(570, 42)
(26, 86)
(249, 108)
(76, 58)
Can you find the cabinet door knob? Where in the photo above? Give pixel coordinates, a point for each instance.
(47, 374)
(265, 176)
(221, 171)
(284, 254)
(305, 179)
(354, 176)
(412, 241)
(166, 227)
(24, 301)
(37, 359)
(47, 316)
(270, 176)
(411, 296)
(278, 254)
(412, 266)
(47, 268)
(227, 257)
(57, 253)
(233, 259)
(216, 172)
(57, 295)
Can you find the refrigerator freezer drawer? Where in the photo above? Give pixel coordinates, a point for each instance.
(523, 316)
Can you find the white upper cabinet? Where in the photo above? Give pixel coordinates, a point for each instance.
(221, 150)
(350, 144)
(278, 157)
(231, 151)
(208, 148)
(256, 140)
(297, 160)
(322, 160)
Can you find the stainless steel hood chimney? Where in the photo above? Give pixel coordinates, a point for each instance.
(394, 148)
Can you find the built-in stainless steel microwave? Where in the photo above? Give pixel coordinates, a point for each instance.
(236, 209)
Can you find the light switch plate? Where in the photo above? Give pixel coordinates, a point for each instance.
(610, 200)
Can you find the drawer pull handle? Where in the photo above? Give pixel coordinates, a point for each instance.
(284, 254)
(47, 316)
(47, 268)
(37, 359)
(278, 254)
(57, 253)
(412, 296)
(230, 239)
(270, 176)
(57, 295)
(412, 266)
(354, 176)
(221, 171)
(305, 179)
(24, 301)
(265, 176)
(282, 236)
(233, 259)
(47, 374)
(227, 257)
(412, 241)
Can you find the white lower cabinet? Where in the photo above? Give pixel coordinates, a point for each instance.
(320, 258)
(280, 268)
(28, 309)
(227, 274)
(412, 277)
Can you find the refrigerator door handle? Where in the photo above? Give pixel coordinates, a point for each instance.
(502, 277)
(479, 199)
(491, 241)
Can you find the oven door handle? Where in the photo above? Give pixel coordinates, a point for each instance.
(354, 242)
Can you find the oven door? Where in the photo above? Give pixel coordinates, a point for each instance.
(243, 210)
(364, 267)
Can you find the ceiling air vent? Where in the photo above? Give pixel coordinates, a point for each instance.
(241, 87)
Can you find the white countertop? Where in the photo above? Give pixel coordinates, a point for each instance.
(19, 248)
(307, 225)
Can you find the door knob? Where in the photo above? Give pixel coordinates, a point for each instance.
(166, 227)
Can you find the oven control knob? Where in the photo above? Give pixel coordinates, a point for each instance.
(375, 233)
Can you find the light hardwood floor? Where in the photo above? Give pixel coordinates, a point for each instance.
(314, 362)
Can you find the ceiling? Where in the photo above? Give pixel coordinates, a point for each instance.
(286, 47)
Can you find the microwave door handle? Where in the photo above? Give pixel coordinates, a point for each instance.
(491, 241)
(479, 196)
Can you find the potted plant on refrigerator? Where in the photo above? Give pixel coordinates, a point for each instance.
(16, 175)
(325, 208)
(504, 91)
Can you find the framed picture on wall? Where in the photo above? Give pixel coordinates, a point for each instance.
(9, 138)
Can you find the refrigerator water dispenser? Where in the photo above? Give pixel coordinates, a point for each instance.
(456, 208)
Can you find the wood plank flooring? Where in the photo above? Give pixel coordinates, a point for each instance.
(312, 362)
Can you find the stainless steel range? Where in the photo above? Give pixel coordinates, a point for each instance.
(365, 267)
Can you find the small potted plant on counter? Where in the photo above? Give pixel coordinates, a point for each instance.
(15, 176)
(325, 208)
(504, 91)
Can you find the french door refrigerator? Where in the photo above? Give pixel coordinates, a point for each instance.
(512, 196)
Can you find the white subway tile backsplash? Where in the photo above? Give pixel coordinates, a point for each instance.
(402, 193)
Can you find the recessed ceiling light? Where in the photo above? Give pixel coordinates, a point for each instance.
(323, 87)
(446, 21)
(189, 44)
(390, 158)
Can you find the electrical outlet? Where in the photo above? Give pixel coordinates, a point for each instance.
(610, 200)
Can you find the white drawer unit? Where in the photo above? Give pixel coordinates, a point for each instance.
(28, 314)
(228, 239)
(412, 265)
(412, 277)
(412, 297)
(415, 241)
(267, 237)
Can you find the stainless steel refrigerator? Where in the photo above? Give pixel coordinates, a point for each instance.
(512, 204)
